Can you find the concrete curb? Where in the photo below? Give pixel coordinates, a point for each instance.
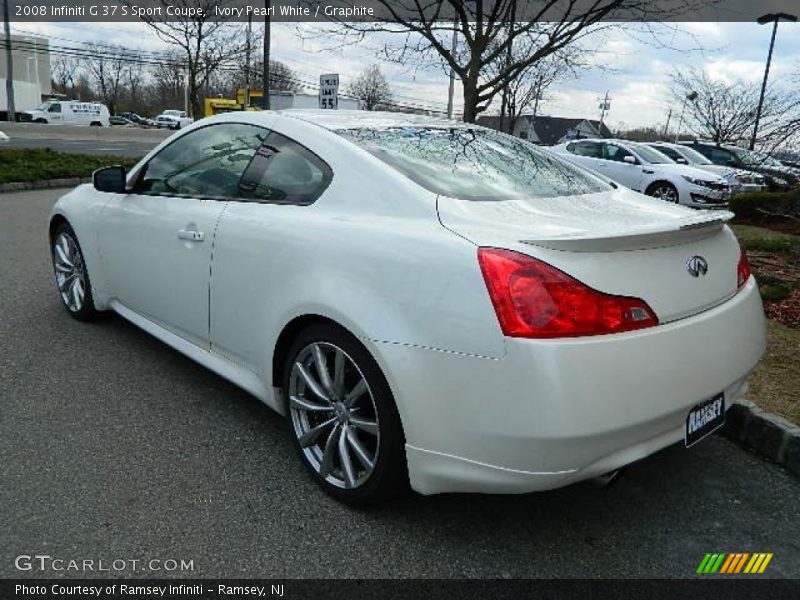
(22, 186)
(767, 434)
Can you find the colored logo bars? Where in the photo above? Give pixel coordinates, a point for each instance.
(735, 562)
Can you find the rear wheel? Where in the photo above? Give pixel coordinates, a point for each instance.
(663, 190)
(72, 279)
(342, 416)
(42, 121)
(96, 124)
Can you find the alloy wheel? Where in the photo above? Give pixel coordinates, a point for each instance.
(70, 271)
(333, 414)
(666, 193)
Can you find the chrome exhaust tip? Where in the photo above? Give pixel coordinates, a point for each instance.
(607, 479)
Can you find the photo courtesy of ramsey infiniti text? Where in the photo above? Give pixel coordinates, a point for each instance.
(430, 304)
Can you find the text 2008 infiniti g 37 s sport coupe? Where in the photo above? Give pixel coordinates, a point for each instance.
(428, 302)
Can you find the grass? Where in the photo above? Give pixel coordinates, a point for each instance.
(20, 164)
(775, 383)
(766, 240)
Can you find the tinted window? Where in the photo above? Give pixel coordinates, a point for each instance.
(54, 108)
(590, 149)
(616, 153)
(651, 155)
(474, 164)
(205, 163)
(671, 152)
(284, 171)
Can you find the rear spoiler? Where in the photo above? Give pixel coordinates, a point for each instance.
(679, 232)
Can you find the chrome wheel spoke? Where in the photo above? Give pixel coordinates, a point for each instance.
(326, 468)
(358, 390)
(311, 436)
(299, 403)
(62, 268)
(322, 370)
(358, 448)
(311, 383)
(62, 256)
(365, 425)
(344, 458)
(338, 373)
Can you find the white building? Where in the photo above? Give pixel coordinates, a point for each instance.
(31, 71)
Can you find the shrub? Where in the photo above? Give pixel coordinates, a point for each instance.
(762, 207)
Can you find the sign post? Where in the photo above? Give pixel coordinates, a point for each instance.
(329, 91)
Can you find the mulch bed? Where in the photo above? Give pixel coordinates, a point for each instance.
(785, 267)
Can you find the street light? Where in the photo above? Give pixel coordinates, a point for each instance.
(763, 20)
(690, 97)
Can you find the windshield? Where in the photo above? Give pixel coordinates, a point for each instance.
(748, 157)
(474, 164)
(693, 156)
(44, 107)
(651, 155)
(171, 113)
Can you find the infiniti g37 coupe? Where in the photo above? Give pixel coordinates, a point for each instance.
(428, 303)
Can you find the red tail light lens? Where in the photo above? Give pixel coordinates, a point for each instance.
(534, 300)
(742, 271)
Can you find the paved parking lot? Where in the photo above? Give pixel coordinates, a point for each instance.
(114, 446)
(115, 141)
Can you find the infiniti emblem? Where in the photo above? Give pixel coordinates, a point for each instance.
(697, 266)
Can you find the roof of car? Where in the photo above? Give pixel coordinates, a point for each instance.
(363, 119)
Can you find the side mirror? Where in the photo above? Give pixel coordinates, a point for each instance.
(110, 179)
(681, 161)
(629, 159)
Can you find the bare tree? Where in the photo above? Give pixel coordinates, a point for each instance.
(725, 112)
(495, 49)
(107, 66)
(64, 71)
(205, 41)
(371, 88)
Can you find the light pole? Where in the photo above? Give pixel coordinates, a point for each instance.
(452, 72)
(691, 96)
(11, 114)
(770, 18)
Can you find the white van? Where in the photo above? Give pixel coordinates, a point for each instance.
(69, 112)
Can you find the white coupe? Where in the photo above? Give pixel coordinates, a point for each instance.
(428, 302)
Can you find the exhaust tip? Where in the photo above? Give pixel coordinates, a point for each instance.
(608, 479)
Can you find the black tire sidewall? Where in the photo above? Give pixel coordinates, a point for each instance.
(87, 311)
(389, 478)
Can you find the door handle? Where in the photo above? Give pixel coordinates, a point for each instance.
(191, 235)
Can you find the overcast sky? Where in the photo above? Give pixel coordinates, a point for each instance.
(638, 82)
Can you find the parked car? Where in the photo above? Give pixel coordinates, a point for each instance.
(428, 302)
(777, 175)
(138, 120)
(122, 121)
(173, 119)
(646, 170)
(739, 179)
(69, 112)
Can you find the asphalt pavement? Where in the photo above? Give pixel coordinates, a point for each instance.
(117, 141)
(113, 446)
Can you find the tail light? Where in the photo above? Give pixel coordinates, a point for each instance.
(535, 300)
(742, 271)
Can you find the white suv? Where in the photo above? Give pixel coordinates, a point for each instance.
(646, 170)
(173, 119)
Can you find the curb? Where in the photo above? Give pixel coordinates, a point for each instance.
(22, 186)
(771, 436)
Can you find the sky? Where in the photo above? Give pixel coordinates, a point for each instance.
(635, 71)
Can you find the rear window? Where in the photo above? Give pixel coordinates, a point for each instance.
(474, 164)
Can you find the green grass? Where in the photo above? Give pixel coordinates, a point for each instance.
(766, 240)
(775, 383)
(19, 164)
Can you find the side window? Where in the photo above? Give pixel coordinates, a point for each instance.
(615, 153)
(205, 163)
(722, 157)
(590, 149)
(670, 152)
(285, 172)
(54, 108)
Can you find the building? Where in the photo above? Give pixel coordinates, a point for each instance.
(549, 131)
(31, 69)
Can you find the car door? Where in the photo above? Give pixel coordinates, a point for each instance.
(618, 165)
(156, 241)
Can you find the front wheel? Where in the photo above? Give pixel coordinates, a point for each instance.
(72, 279)
(342, 417)
(663, 190)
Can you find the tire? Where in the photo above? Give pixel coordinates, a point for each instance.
(95, 124)
(360, 412)
(664, 190)
(42, 121)
(71, 276)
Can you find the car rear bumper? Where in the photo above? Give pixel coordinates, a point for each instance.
(552, 412)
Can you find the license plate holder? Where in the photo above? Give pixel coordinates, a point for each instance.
(704, 419)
